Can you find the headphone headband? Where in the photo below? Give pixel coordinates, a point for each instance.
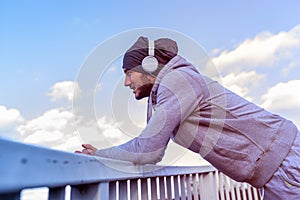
(151, 48)
(150, 63)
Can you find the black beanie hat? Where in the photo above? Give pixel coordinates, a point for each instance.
(164, 50)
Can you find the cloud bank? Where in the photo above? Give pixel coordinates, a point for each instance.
(9, 117)
(262, 51)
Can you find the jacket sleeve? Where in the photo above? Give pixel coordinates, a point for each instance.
(174, 104)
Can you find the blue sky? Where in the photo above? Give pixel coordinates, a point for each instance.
(43, 42)
(254, 44)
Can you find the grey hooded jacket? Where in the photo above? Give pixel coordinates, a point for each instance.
(242, 140)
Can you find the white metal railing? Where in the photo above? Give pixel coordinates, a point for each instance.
(26, 166)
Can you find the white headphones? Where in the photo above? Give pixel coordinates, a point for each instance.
(150, 63)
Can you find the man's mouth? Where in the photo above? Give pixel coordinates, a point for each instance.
(133, 88)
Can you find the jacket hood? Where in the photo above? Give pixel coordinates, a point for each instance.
(174, 63)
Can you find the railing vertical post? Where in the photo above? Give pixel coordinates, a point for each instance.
(176, 187)
(162, 187)
(144, 189)
(195, 186)
(182, 186)
(243, 191)
(250, 197)
(112, 190)
(169, 187)
(238, 192)
(104, 191)
(133, 189)
(57, 193)
(153, 188)
(221, 187)
(208, 186)
(123, 190)
(255, 193)
(232, 190)
(227, 187)
(188, 186)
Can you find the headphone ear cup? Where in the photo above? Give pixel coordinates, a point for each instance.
(150, 64)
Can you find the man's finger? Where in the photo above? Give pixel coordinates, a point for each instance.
(88, 146)
(85, 151)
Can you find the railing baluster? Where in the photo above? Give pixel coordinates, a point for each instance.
(207, 186)
(112, 190)
(238, 191)
(104, 190)
(249, 193)
(232, 189)
(227, 188)
(221, 187)
(188, 186)
(169, 187)
(182, 186)
(123, 190)
(201, 184)
(57, 193)
(133, 189)
(243, 188)
(255, 194)
(195, 186)
(153, 188)
(176, 187)
(144, 189)
(162, 187)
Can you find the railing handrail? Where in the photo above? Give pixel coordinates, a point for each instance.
(29, 166)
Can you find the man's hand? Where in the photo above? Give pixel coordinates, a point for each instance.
(88, 149)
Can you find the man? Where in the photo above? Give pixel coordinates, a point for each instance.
(242, 140)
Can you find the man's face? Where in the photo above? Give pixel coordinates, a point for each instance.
(140, 83)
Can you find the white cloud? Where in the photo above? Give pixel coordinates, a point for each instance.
(51, 120)
(283, 96)
(264, 50)
(56, 129)
(72, 144)
(103, 132)
(64, 90)
(242, 83)
(9, 117)
(44, 137)
(50, 129)
(110, 129)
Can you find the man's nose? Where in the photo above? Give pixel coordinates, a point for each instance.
(127, 81)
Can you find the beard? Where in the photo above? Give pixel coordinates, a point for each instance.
(145, 91)
(146, 88)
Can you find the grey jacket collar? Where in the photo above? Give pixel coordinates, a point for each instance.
(174, 63)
